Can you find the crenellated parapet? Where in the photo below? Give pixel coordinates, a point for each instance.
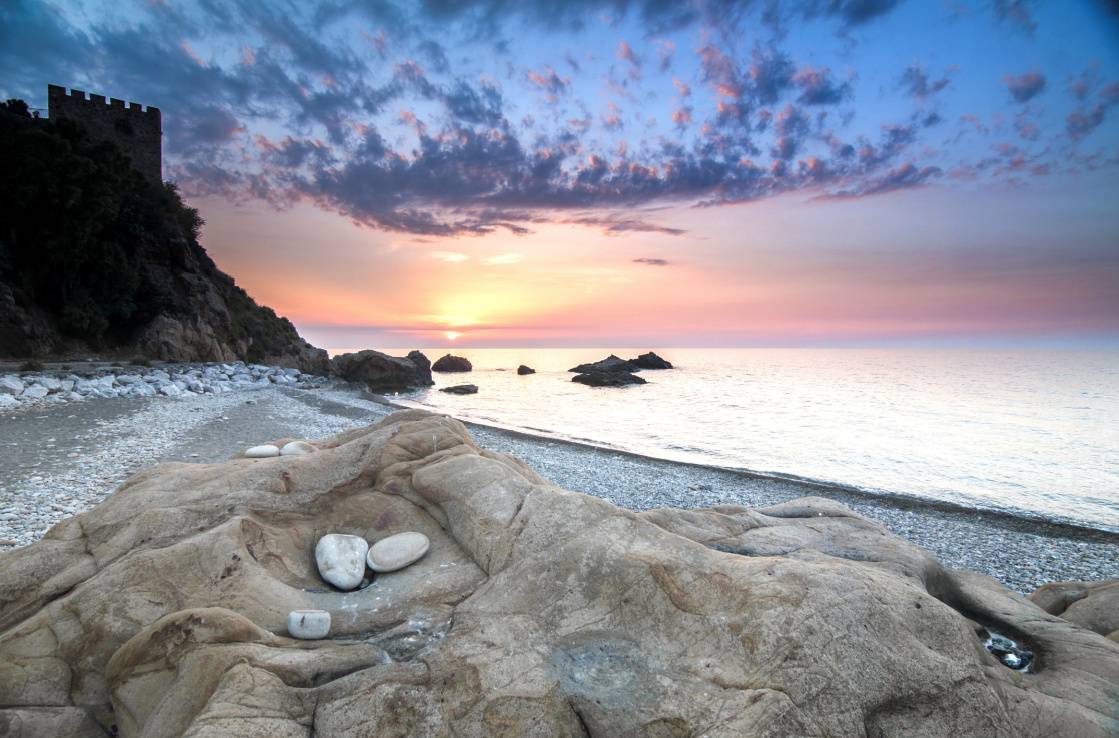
(137, 130)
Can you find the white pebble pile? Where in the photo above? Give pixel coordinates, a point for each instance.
(29, 389)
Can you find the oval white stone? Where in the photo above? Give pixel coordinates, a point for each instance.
(308, 625)
(297, 448)
(398, 551)
(262, 452)
(341, 559)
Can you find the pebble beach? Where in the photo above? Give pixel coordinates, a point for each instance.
(58, 459)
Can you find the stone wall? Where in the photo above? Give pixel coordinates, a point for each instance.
(136, 130)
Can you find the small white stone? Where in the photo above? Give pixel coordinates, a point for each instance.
(341, 559)
(398, 551)
(297, 448)
(309, 625)
(262, 452)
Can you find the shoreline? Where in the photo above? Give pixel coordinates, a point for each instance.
(1011, 520)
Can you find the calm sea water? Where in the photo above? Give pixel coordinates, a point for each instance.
(1034, 432)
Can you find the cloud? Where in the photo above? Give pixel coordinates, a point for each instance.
(1084, 120)
(651, 262)
(1024, 87)
(907, 176)
(625, 52)
(1017, 13)
(503, 259)
(614, 225)
(916, 82)
(451, 257)
(549, 81)
(818, 88)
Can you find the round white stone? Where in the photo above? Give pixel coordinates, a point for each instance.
(308, 625)
(398, 551)
(341, 559)
(297, 448)
(262, 452)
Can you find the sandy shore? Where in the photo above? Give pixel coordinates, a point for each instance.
(58, 461)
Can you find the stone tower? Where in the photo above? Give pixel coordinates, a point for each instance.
(138, 132)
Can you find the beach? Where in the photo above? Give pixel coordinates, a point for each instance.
(57, 461)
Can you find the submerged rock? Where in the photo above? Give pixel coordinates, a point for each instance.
(523, 370)
(397, 552)
(309, 625)
(536, 611)
(263, 451)
(607, 379)
(449, 363)
(341, 559)
(650, 361)
(461, 389)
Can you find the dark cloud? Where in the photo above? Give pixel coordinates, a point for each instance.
(651, 262)
(905, 177)
(549, 81)
(1024, 87)
(1017, 13)
(916, 82)
(619, 224)
(1084, 120)
(818, 88)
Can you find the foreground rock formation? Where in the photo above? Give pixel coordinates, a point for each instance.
(536, 611)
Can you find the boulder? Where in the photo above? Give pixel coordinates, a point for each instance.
(523, 370)
(1091, 605)
(384, 373)
(461, 389)
(607, 379)
(35, 392)
(650, 361)
(449, 363)
(610, 364)
(163, 611)
(10, 385)
(7, 401)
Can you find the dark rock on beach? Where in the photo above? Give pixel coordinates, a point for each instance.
(607, 379)
(610, 364)
(461, 389)
(523, 370)
(450, 363)
(650, 361)
(384, 373)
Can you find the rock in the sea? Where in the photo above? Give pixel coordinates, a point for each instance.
(296, 448)
(35, 392)
(523, 370)
(449, 363)
(262, 452)
(309, 625)
(384, 373)
(397, 551)
(607, 379)
(461, 389)
(650, 361)
(536, 611)
(7, 401)
(341, 559)
(10, 385)
(610, 364)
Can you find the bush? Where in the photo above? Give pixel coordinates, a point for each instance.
(32, 365)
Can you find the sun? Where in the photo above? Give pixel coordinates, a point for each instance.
(451, 335)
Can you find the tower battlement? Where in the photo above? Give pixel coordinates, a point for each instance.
(138, 131)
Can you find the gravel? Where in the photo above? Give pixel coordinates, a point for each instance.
(58, 461)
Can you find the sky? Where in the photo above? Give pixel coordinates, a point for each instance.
(629, 173)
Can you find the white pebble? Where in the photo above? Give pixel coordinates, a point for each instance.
(341, 559)
(297, 448)
(308, 625)
(262, 452)
(398, 551)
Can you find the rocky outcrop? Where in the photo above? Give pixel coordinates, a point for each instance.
(164, 611)
(522, 370)
(607, 379)
(610, 364)
(650, 361)
(450, 363)
(384, 373)
(1091, 605)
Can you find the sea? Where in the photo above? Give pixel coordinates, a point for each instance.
(1027, 432)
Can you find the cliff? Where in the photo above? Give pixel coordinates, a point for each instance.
(96, 259)
(164, 611)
